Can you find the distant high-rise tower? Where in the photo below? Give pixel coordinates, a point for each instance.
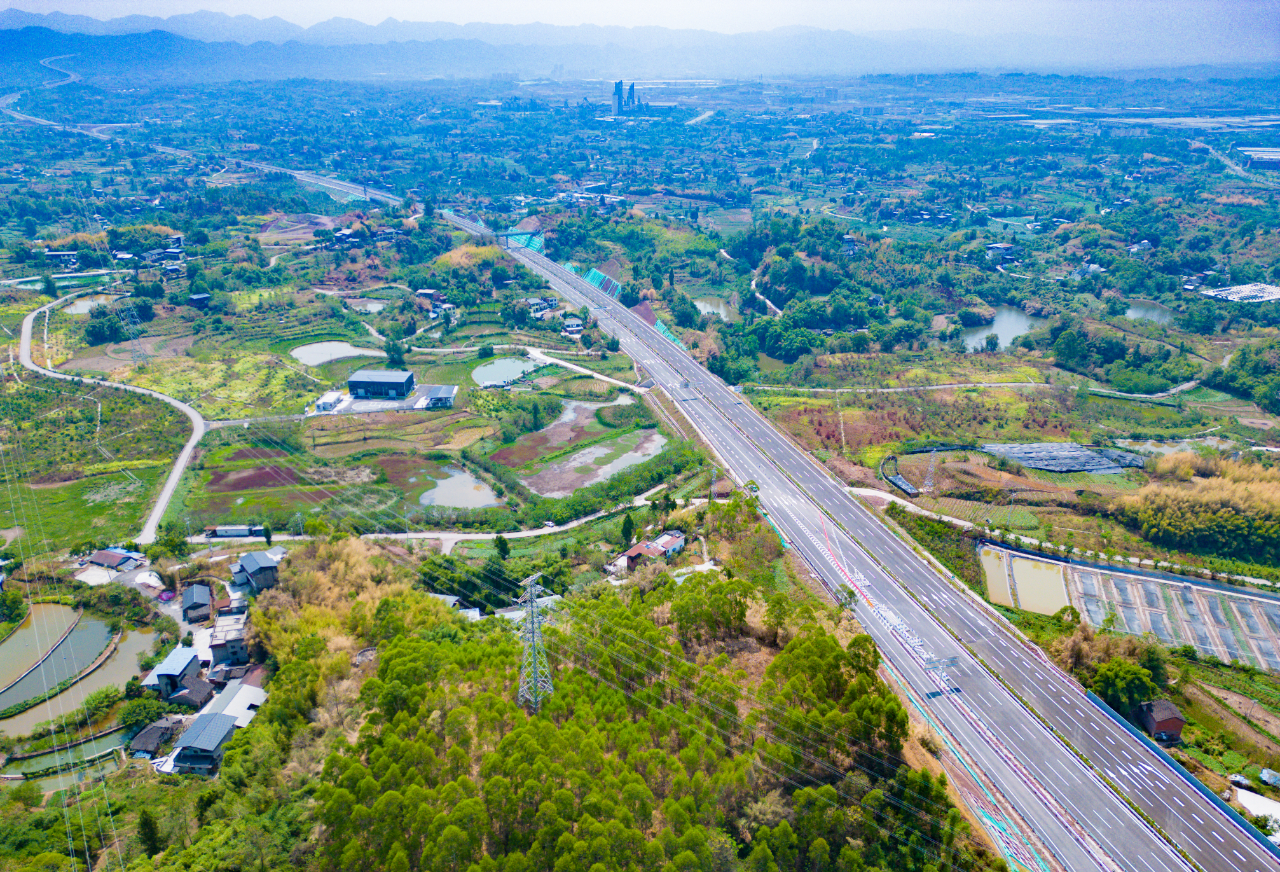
(617, 98)
(631, 96)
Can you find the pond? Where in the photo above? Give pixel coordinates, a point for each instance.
(72, 756)
(369, 307)
(460, 490)
(1142, 309)
(45, 623)
(119, 668)
(94, 772)
(502, 370)
(1010, 323)
(84, 305)
(72, 656)
(716, 306)
(320, 353)
(595, 463)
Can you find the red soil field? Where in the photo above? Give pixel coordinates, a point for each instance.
(257, 454)
(232, 480)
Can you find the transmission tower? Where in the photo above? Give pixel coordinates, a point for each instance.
(928, 476)
(132, 327)
(535, 674)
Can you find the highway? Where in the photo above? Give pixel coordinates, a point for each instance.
(908, 606)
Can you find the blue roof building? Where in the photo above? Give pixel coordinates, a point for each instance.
(199, 749)
(166, 678)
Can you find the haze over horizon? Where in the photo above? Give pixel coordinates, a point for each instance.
(1245, 24)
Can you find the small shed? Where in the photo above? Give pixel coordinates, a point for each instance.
(1162, 720)
(148, 741)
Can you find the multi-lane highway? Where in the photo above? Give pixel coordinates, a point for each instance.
(918, 617)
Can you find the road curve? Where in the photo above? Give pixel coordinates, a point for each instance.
(148, 534)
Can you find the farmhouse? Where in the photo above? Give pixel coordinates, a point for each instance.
(1162, 720)
(393, 383)
(329, 401)
(197, 604)
(199, 749)
(228, 644)
(114, 558)
(166, 679)
(258, 568)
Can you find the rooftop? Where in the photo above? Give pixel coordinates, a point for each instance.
(391, 376)
(207, 732)
(175, 663)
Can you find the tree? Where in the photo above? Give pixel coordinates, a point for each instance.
(992, 343)
(137, 713)
(266, 533)
(628, 529)
(503, 547)
(149, 833)
(395, 353)
(1123, 684)
(27, 794)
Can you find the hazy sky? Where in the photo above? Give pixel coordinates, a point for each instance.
(1219, 21)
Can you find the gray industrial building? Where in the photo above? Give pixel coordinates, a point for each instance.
(391, 383)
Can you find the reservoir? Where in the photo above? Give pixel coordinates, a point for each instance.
(1010, 323)
(461, 490)
(1148, 311)
(503, 370)
(716, 306)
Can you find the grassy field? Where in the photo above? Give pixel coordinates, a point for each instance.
(617, 365)
(1010, 517)
(251, 384)
(104, 508)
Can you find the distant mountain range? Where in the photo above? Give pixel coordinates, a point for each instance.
(210, 46)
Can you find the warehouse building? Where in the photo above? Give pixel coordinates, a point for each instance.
(391, 383)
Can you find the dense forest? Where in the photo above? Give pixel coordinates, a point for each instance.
(709, 726)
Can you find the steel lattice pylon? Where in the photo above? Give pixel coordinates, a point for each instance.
(132, 327)
(535, 674)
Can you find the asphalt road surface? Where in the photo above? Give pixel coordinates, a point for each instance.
(908, 606)
(152, 523)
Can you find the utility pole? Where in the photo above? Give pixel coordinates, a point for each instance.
(535, 674)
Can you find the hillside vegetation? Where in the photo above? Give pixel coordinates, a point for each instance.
(1209, 505)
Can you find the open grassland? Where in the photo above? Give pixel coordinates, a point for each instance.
(101, 508)
(245, 385)
(57, 431)
(617, 366)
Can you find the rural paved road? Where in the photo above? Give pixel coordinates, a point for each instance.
(152, 524)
